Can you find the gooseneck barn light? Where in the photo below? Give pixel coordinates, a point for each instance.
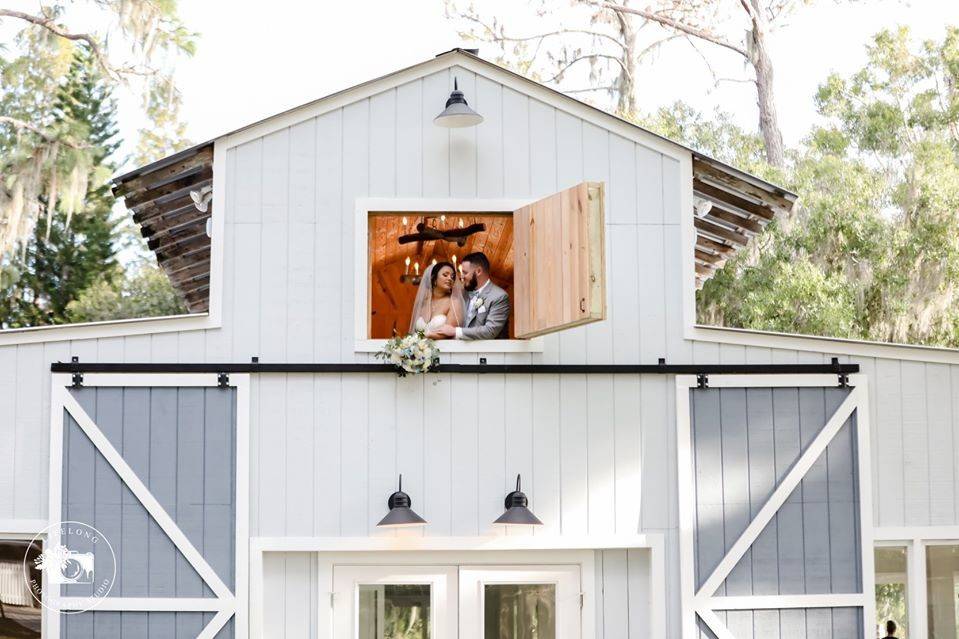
(457, 113)
(400, 514)
(517, 510)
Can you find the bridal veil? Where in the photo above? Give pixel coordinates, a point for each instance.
(423, 305)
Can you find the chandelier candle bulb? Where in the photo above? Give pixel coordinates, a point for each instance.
(416, 267)
(407, 264)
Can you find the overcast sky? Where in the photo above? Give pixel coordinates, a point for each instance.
(256, 59)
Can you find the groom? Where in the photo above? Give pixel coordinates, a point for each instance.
(487, 314)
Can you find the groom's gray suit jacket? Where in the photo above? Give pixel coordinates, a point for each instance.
(493, 321)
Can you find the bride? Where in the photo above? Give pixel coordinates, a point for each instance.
(440, 300)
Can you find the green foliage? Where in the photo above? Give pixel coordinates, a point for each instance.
(66, 253)
(73, 257)
(147, 292)
(45, 161)
(872, 249)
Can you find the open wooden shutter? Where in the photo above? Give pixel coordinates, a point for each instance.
(559, 278)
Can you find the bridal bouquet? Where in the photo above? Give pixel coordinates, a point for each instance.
(413, 353)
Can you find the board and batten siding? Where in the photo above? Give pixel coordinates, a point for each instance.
(744, 443)
(181, 443)
(597, 452)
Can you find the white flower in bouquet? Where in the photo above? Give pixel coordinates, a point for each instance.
(413, 353)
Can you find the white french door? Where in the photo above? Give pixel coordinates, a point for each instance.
(450, 602)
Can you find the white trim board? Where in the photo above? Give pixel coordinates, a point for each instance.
(703, 603)
(499, 549)
(817, 344)
(361, 268)
(225, 603)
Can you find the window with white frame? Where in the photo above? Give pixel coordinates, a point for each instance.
(20, 611)
(547, 256)
(468, 601)
(917, 583)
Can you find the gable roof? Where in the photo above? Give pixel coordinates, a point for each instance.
(739, 206)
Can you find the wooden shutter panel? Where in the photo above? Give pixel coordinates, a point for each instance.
(559, 278)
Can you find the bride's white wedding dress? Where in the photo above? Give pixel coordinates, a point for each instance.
(434, 323)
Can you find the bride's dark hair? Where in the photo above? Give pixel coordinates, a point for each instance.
(435, 273)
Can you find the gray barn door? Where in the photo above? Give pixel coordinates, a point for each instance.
(153, 469)
(775, 508)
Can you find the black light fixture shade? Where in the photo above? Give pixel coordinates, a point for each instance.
(400, 514)
(517, 510)
(457, 113)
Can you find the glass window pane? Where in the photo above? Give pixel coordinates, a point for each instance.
(519, 611)
(389, 611)
(891, 598)
(19, 610)
(942, 590)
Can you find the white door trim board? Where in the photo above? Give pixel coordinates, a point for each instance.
(703, 603)
(225, 603)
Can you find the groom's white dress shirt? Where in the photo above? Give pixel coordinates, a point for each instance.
(474, 295)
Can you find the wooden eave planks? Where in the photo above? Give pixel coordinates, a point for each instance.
(742, 207)
(158, 196)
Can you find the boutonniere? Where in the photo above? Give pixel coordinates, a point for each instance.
(480, 304)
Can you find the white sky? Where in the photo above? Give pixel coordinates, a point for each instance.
(257, 59)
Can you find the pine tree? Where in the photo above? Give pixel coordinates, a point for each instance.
(68, 253)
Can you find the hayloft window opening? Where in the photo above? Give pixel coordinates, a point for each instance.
(401, 252)
(547, 256)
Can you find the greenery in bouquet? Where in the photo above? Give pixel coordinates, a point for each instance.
(413, 353)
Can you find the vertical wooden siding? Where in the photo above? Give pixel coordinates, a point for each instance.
(180, 442)
(745, 441)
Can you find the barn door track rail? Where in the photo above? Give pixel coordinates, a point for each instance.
(702, 371)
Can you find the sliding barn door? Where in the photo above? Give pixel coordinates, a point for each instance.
(151, 462)
(775, 531)
(559, 264)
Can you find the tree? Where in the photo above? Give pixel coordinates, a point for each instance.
(42, 155)
(871, 252)
(146, 292)
(602, 34)
(66, 253)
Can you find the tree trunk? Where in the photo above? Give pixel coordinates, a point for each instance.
(765, 95)
(627, 74)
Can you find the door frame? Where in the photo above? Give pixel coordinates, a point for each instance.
(473, 551)
(471, 575)
(703, 604)
(441, 621)
(225, 604)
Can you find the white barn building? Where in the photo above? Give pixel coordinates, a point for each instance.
(691, 481)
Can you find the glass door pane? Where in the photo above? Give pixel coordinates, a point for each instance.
(520, 602)
(519, 611)
(892, 600)
(942, 591)
(394, 611)
(394, 602)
